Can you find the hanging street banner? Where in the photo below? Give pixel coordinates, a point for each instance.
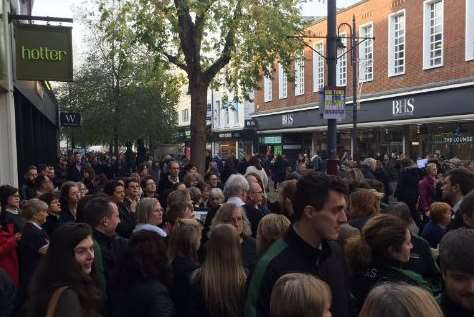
(70, 119)
(334, 103)
(43, 52)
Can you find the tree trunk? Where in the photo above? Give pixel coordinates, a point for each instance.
(199, 136)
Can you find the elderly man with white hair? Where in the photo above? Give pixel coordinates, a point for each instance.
(368, 166)
(235, 189)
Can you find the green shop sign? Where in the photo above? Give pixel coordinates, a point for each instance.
(43, 52)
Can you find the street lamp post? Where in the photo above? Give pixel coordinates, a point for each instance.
(355, 77)
(331, 61)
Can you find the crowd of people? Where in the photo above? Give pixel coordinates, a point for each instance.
(255, 237)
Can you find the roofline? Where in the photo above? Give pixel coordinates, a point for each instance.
(360, 2)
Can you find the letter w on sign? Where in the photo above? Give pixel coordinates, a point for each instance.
(70, 119)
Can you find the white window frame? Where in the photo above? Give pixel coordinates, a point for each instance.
(341, 63)
(363, 63)
(469, 30)
(282, 82)
(318, 67)
(299, 74)
(427, 36)
(267, 88)
(391, 43)
(185, 115)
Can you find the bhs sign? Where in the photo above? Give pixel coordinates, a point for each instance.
(70, 119)
(403, 107)
(287, 120)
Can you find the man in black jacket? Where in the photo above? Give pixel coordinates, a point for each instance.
(309, 247)
(456, 255)
(252, 207)
(168, 181)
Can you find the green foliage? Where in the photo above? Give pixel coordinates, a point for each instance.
(241, 37)
(122, 91)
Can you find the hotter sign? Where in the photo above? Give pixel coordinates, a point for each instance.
(43, 52)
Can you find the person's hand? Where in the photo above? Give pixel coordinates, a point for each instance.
(18, 236)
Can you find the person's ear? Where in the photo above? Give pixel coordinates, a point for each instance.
(308, 211)
(105, 221)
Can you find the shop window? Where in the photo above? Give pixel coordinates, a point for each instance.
(341, 65)
(469, 30)
(318, 67)
(396, 40)
(366, 54)
(433, 33)
(299, 74)
(282, 82)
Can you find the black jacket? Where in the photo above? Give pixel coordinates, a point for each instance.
(148, 298)
(183, 267)
(382, 271)
(51, 224)
(127, 221)
(407, 187)
(292, 254)
(422, 261)
(16, 219)
(73, 174)
(254, 215)
(249, 253)
(7, 295)
(33, 239)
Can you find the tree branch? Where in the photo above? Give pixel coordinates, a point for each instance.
(224, 59)
(186, 31)
(175, 60)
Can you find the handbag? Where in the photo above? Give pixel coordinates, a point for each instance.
(53, 301)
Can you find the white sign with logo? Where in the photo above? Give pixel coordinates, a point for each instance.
(403, 107)
(287, 120)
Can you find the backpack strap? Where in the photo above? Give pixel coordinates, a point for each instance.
(53, 301)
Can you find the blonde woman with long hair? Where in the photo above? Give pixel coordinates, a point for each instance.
(219, 285)
(233, 215)
(400, 300)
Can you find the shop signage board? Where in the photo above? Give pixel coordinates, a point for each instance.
(70, 119)
(334, 103)
(43, 52)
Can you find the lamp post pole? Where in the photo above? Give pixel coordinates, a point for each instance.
(331, 61)
(355, 64)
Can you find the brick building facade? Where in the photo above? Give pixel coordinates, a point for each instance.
(416, 83)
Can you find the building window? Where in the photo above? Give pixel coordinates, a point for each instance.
(318, 67)
(469, 30)
(267, 88)
(299, 74)
(433, 34)
(341, 65)
(236, 113)
(366, 54)
(227, 117)
(282, 82)
(396, 46)
(185, 115)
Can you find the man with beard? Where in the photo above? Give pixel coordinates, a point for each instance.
(28, 190)
(456, 254)
(457, 183)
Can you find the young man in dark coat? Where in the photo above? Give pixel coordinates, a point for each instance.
(308, 247)
(456, 255)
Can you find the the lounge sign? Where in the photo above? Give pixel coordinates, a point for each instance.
(43, 52)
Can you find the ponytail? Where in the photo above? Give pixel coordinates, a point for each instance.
(358, 254)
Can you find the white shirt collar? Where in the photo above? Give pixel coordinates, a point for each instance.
(236, 201)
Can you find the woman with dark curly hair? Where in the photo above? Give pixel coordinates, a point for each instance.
(142, 278)
(68, 275)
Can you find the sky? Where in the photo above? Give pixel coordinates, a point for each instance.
(69, 9)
